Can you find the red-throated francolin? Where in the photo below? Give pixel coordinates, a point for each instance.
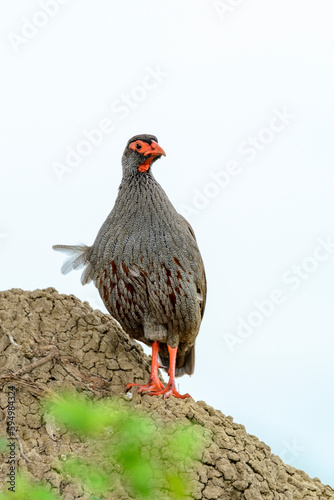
(147, 267)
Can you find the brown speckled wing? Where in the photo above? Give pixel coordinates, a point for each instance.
(200, 275)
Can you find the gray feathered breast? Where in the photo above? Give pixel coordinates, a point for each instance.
(147, 266)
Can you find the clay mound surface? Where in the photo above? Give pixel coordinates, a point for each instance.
(49, 341)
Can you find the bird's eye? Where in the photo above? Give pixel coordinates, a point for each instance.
(138, 146)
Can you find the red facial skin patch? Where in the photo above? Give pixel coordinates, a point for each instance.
(141, 147)
(146, 149)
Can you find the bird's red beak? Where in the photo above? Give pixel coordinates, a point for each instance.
(154, 150)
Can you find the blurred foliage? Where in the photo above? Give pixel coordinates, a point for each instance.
(124, 450)
(127, 447)
(28, 490)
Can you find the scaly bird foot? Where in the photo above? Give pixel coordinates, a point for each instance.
(170, 390)
(152, 386)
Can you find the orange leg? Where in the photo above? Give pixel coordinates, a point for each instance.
(170, 389)
(154, 384)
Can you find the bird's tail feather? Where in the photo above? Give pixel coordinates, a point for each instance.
(78, 259)
(188, 365)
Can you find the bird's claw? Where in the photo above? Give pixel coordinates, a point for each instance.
(170, 390)
(152, 387)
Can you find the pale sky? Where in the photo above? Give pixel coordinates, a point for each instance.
(240, 96)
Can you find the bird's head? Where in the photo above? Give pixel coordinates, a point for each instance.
(140, 152)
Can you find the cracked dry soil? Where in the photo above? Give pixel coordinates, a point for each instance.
(49, 341)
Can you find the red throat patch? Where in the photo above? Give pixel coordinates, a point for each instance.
(145, 165)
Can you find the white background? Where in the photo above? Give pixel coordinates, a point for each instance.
(224, 73)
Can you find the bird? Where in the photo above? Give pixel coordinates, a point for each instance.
(147, 267)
